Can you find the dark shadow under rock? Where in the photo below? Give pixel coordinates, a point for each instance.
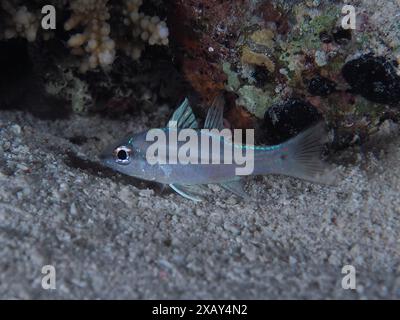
(287, 119)
(21, 87)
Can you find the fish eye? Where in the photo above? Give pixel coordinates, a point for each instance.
(122, 155)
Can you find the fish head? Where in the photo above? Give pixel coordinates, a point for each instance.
(128, 156)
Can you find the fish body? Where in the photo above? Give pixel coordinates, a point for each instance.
(209, 164)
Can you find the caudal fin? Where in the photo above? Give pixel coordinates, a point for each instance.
(304, 156)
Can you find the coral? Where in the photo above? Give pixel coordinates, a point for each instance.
(98, 42)
(255, 99)
(95, 40)
(72, 89)
(106, 38)
(270, 52)
(233, 82)
(144, 29)
(98, 28)
(264, 37)
(19, 21)
(258, 59)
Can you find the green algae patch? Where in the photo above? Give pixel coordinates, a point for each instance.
(233, 83)
(255, 100)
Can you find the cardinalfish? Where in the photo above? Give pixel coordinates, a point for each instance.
(163, 156)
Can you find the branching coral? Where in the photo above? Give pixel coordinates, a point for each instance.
(143, 28)
(98, 28)
(95, 40)
(99, 42)
(19, 22)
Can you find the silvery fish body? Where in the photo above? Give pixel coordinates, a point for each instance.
(214, 161)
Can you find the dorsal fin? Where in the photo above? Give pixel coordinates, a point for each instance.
(183, 117)
(215, 118)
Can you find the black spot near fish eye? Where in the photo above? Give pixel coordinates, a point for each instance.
(284, 156)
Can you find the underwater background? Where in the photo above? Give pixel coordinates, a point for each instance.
(117, 66)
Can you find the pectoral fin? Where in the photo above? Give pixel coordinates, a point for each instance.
(183, 117)
(236, 187)
(188, 192)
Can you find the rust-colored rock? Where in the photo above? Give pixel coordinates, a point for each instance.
(205, 33)
(206, 78)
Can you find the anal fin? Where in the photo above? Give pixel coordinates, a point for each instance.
(236, 187)
(190, 192)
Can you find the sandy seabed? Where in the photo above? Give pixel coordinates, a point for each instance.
(110, 237)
